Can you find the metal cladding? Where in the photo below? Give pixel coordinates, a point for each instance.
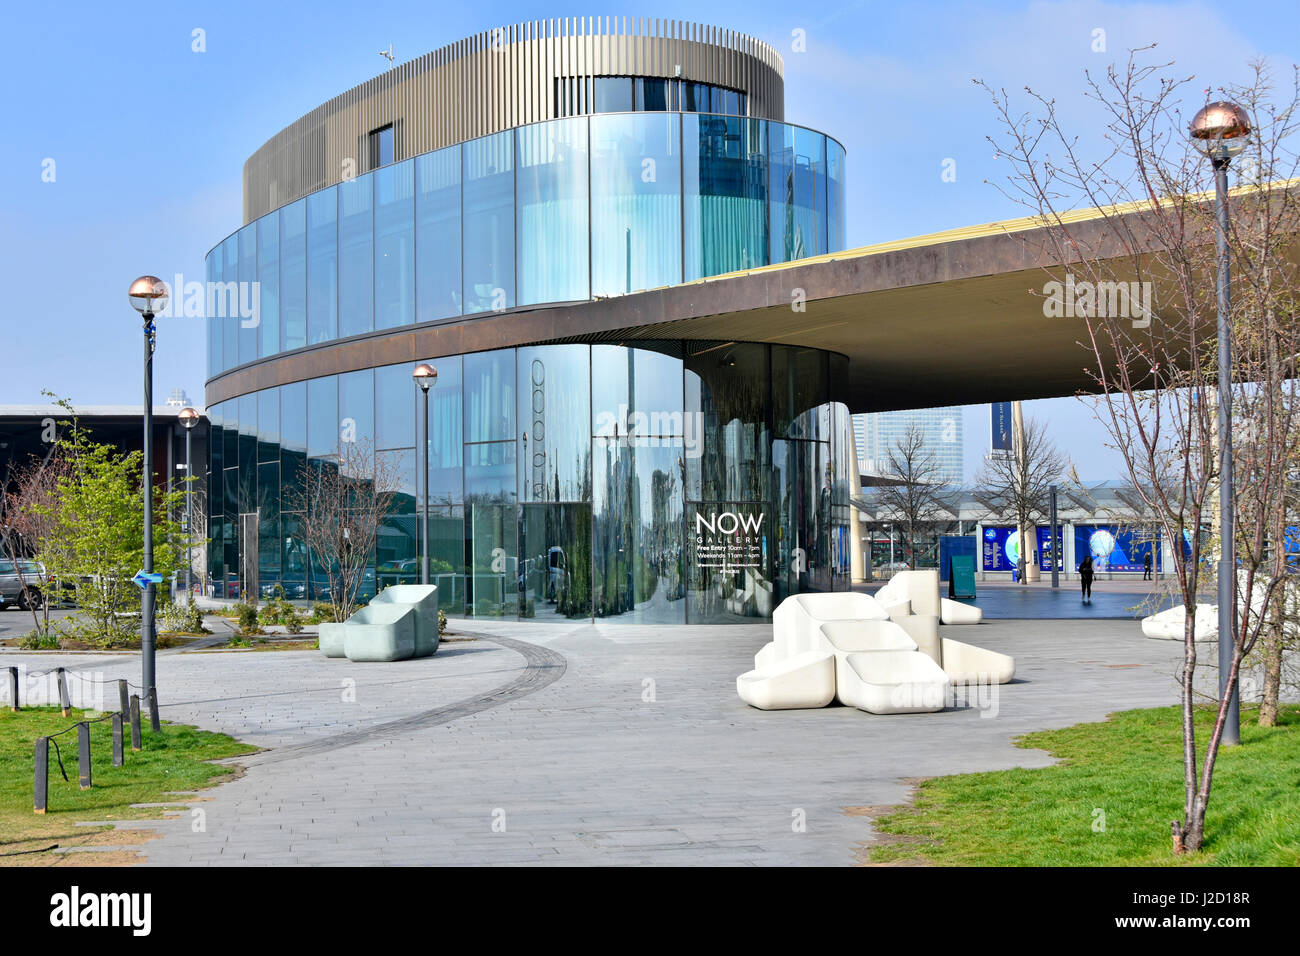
(494, 81)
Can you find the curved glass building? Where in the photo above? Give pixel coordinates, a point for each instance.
(513, 177)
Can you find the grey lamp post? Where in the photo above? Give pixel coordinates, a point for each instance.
(189, 417)
(148, 296)
(425, 376)
(1220, 130)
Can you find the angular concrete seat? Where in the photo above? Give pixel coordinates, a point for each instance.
(766, 655)
(954, 612)
(331, 639)
(843, 638)
(894, 682)
(801, 681)
(423, 598)
(1168, 624)
(380, 632)
(797, 620)
(968, 664)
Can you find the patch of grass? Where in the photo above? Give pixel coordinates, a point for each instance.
(1128, 768)
(172, 759)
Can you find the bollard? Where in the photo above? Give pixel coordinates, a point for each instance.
(13, 689)
(123, 696)
(65, 703)
(83, 753)
(153, 710)
(41, 789)
(135, 722)
(117, 740)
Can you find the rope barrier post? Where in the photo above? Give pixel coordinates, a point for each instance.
(124, 697)
(65, 702)
(83, 753)
(135, 722)
(13, 689)
(117, 740)
(154, 724)
(41, 786)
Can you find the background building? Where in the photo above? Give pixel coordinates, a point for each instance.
(877, 434)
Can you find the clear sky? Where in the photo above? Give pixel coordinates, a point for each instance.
(148, 137)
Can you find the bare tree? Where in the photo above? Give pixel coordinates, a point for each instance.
(343, 503)
(1019, 486)
(921, 494)
(27, 508)
(1154, 224)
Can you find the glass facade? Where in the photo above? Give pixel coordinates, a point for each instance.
(570, 209)
(671, 483)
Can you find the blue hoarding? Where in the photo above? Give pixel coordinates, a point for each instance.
(1000, 426)
(1047, 555)
(1000, 549)
(1113, 548)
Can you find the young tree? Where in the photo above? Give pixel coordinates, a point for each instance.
(921, 494)
(26, 526)
(1019, 485)
(1153, 231)
(343, 503)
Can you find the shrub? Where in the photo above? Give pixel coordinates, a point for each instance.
(322, 611)
(442, 622)
(292, 619)
(172, 616)
(36, 641)
(246, 616)
(194, 619)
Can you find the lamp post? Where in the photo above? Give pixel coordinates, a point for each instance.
(148, 295)
(425, 376)
(1220, 130)
(189, 417)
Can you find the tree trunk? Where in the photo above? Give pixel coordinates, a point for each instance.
(1272, 639)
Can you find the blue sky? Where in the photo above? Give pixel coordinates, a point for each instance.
(148, 137)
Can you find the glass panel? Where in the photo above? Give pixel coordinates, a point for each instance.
(212, 274)
(247, 497)
(637, 531)
(357, 407)
(437, 224)
(293, 441)
(726, 101)
(395, 246)
(293, 275)
(489, 223)
(801, 388)
(727, 561)
(795, 161)
(636, 220)
(395, 398)
(228, 301)
(613, 94)
(446, 420)
(230, 433)
(491, 526)
(552, 211)
(836, 234)
(554, 409)
(293, 560)
(803, 497)
(247, 320)
(725, 194)
(555, 561)
(651, 95)
(398, 550)
(322, 417)
(447, 557)
(268, 528)
(268, 425)
(490, 396)
(268, 279)
(638, 392)
(695, 97)
(727, 394)
(322, 266)
(356, 256)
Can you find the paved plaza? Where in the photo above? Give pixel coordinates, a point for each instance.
(582, 743)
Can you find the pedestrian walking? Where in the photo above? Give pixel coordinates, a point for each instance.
(1146, 566)
(1085, 579)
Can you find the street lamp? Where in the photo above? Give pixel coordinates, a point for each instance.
(148, 295)
(189, 417)
(425, 376)
(1221, 130)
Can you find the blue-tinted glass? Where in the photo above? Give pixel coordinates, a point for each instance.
(490, 472)
(613, 94)
(293, 275)
(268, 425)
(724, 194)
(230, 434)
(836, 237)
(651, 95)
(490, 396)
(800, 391)
(268, 528)
(322, 417)
(637, 392)
(268, 279)
(293, 441)
(695, 97)
(489, 223)
(552, 211)
(357, 407)
(395, 397)
(636, 221)
(247, 320)
(796, 155)
(246, 494)
(742, 105)
(322, 266)
(554, 409)
(293, 558)
(356, 256)
(446, 428)
(728, 395)
(395, 246)
(437, 226)
(213, 275)
(227, 301)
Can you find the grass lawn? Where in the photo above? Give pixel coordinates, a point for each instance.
(1128, 768)
(172, 759)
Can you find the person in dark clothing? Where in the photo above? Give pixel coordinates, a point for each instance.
(1085, 579)
(1146, 566)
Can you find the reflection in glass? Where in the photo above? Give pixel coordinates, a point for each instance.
(268, 528)
(489, 223)
(395, 245)
(836, 235)
(322, 266)
(268, 278)
(447, 556)
(293, 275)
(228, 305)
(727, 392)
(357, 407)
(395, 398)
(551, 198)
(555, 560)
(724, 194)
(247, 250)
(446, 421)
(437, 228)
(212, 274)
(727, 557)
(800, 390)
(554, 409)
(797, 158)
(322, 417)
(490, 396)
(638, 391)
(356, 255)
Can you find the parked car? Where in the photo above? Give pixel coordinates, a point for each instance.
(33, 574)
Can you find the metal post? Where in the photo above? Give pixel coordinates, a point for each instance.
(154, 723)
(41, 781)
(189, 519)
(147, 601)
(65, 703)
(424, 492)
(83, 754)
(14, 703)
(1056, 548)
(135, 722)
(1227, 536)
(123, 697)
(117, 740)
